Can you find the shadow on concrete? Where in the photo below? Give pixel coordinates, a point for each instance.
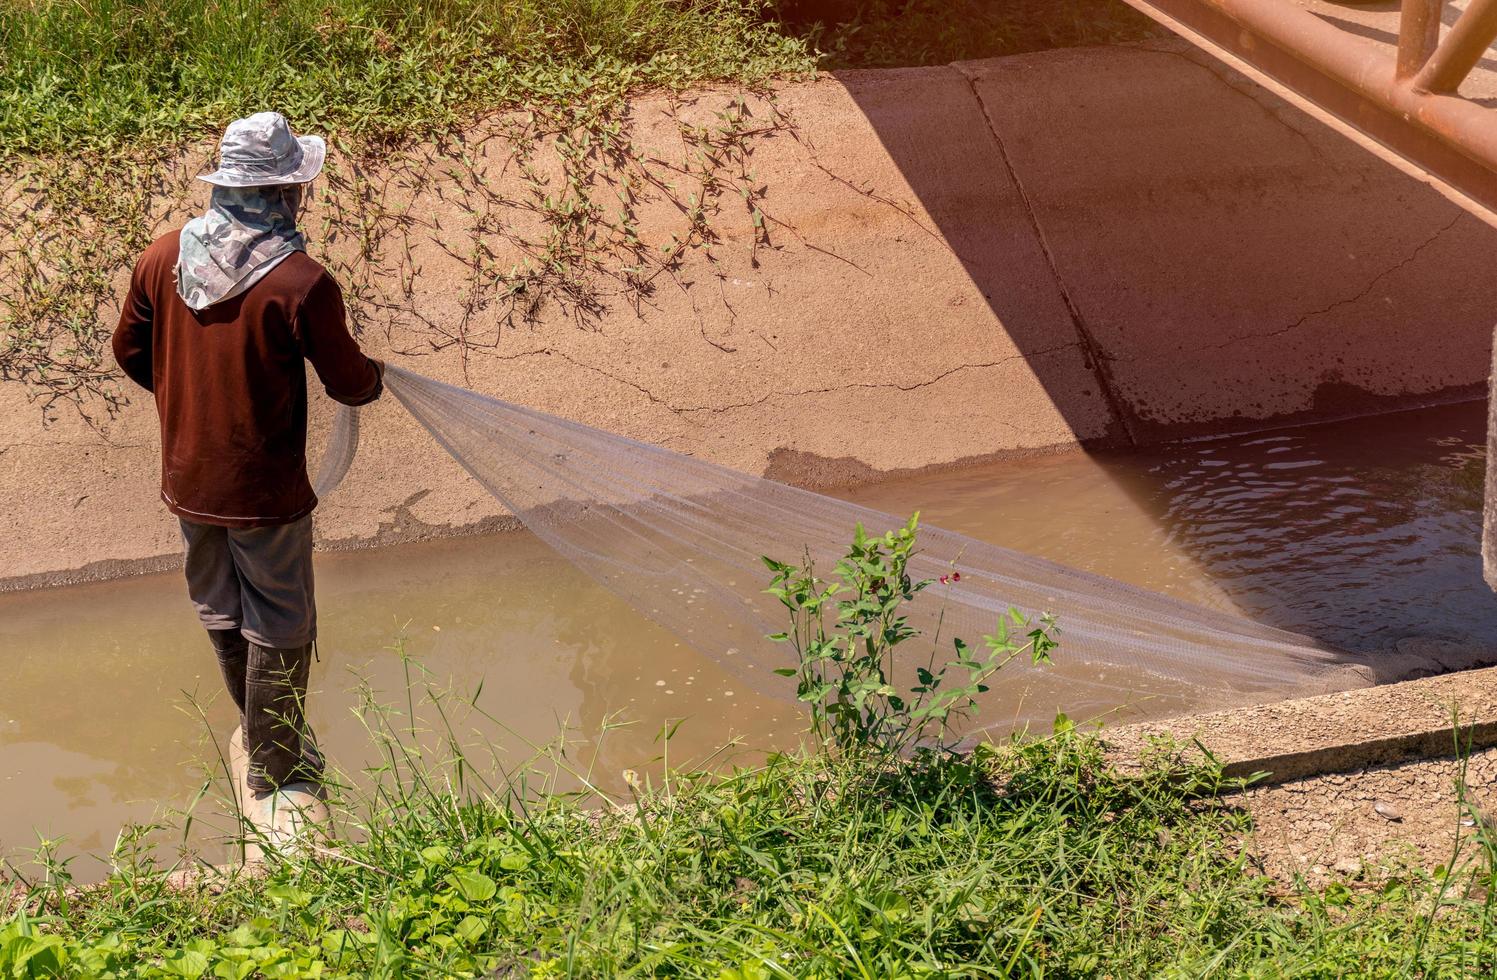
(1216, 260)
(1219, 260)
(1390, 38)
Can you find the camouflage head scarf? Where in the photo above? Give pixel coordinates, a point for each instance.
(246, 233)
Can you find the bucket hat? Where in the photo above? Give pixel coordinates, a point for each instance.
(260, 150)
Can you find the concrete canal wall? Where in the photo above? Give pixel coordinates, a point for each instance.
(1102, 246)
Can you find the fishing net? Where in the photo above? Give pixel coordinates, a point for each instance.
(342, 445)
(680, 540)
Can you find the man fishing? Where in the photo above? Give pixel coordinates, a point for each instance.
(216, 324)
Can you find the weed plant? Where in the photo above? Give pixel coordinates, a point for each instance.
(1033, 859)
(846, 636)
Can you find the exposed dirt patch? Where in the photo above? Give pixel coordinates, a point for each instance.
(1336, 825)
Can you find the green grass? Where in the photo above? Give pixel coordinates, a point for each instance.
(1027, 860)
(91, 73)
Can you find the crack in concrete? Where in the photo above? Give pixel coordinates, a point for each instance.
(687, 410)
(1091, 351)
(1336, 305)
(654, 398)
(553, 352)
(73, 445)
(717, 409)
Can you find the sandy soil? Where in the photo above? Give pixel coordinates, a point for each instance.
(1379, 776)
(1357, 824)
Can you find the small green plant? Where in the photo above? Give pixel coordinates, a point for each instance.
(847, 669)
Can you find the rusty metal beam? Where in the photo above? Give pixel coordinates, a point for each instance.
(1401, 98)
(1418, 34)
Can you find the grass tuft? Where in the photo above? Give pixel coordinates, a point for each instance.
(1018, 860)
(1030, 857)
(83, 75)
(94, 74)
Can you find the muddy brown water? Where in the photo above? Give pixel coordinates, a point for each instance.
(1359, 533)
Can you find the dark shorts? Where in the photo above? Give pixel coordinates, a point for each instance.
(255, 580)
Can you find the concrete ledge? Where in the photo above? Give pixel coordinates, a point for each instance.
(1432, 717)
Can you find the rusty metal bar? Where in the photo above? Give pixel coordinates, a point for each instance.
(1453, 60)
(1354, 81)
(1418, 34)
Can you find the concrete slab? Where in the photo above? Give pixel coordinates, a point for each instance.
(855, 332)
(1354, 785)
(1375, 726)
(1233, 260)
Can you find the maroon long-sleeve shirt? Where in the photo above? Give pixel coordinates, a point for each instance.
(230, 387)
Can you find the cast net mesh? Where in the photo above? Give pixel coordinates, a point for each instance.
(680, 540)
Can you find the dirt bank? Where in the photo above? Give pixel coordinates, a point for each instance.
(907, 268)
(1359, 824)
(1355, 783)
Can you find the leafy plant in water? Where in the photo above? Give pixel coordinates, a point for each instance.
(846, 667)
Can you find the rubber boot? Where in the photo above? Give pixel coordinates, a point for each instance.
(279, 744)
(239, 764)
(283, 797)
(233, 660)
